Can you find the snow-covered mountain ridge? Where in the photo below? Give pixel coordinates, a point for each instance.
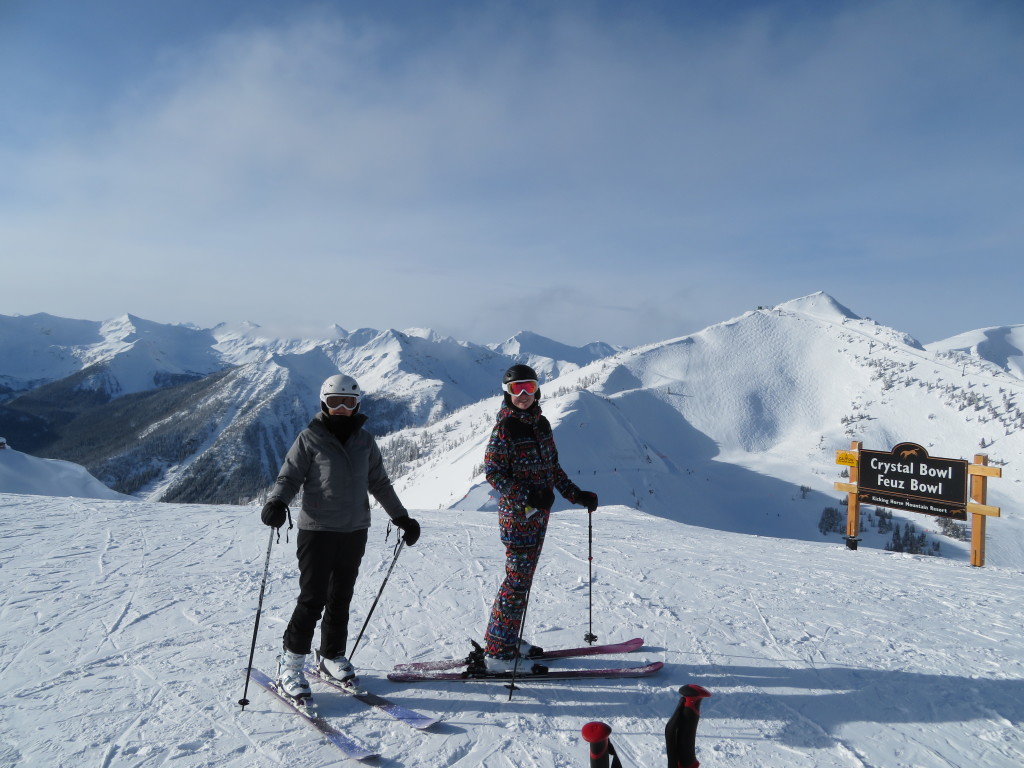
(180, 413)
(734, 427)
(138, 355)
(1002, 346)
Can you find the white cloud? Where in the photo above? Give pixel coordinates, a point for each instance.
(244, 172)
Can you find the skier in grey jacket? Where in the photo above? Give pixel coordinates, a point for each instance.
(337, 465)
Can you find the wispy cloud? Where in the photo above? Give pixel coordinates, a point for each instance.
(340, 170)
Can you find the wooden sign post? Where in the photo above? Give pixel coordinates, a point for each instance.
(851, 459)
(980, 471)
(907, 478)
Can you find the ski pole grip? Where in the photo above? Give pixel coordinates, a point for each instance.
(692, 695)
(596, 735)
(681, 730)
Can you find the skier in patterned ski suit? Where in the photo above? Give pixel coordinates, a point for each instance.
(521, 462)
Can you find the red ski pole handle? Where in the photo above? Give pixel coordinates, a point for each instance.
(692, 695)
(596, 735)
(681, 730)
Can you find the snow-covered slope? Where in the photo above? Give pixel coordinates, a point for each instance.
(126, 629)
(736, 427)
(21, 473)
(39, 348)
(1002, 346)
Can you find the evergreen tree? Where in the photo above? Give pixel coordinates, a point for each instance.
(896, 542)
(831, 521)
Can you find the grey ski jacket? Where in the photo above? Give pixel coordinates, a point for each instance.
(335, 479)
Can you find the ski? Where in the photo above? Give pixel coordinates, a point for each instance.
(352, 748)
(410, 717)
(551, 674)
(627, 646)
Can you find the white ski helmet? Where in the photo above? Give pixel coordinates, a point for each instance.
(342, 385)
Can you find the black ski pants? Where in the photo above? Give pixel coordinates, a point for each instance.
(328, 567)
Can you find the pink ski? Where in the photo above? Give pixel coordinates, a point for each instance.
(551, 674)
(560, 653)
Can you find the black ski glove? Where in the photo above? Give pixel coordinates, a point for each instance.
(540, 498)
(410, 529)
(588, 499)
(274, 513)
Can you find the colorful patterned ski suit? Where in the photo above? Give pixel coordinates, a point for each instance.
(520, 457)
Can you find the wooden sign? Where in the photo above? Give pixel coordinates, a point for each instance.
(908, 478)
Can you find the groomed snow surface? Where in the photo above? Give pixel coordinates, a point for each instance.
(125, 629)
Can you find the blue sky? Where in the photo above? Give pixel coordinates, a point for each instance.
(624, 172)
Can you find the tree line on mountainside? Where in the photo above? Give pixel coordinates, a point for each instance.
(903, 537)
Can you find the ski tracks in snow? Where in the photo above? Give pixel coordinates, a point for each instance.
(117, 601)
(815, 665)
(125, 627)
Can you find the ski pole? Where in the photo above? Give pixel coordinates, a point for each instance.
(602, 753)
(590, 637)
(519, 643)
(244, 702)
(681, 729)
(398, 549)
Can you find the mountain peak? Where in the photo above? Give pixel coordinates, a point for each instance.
(819, 305)
(119, 327)
(427, 334)
(526, 344)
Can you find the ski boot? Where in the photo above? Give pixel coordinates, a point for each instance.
(338, 669)
(291, 681)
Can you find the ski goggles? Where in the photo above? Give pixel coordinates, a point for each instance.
(348, 402)
(523, 386)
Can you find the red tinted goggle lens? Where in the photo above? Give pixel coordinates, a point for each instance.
(516, 388)
(341, 401)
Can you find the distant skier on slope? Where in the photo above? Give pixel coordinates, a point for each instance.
(336, 464)
(521, 462)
